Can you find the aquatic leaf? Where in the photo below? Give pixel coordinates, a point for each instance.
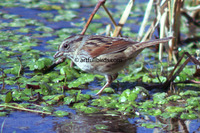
(58, 78)
(8, 97)
(90, 110)
(48, 108)
(44, 29)
(47, 15)
(45, 88)
(45, 6)
(24, 30)
(132, 77)
(129, 96)
(48, 97)
(146, 78)
(159, 98)
(10, 16)
(60, 113)
(161, 78)
(173, 98)
(109, 90)
(123, 99)
(28, 92)
(167, 115)
(140, 89)
(153, 112)
(193, 101)
(94, 27)
(68, 100)
(101, 126)
(190, 93)
(85, 78)
(132, 97)
(157, 112)
(174, 109)
(70, 72)
(151, 125)
(25, 98)
(80, 106)
(17, 23)
(3, 113)
(147, 104)
(97, 16)
(64, 69)
(39, 64)
(188, 116)
(101, 101)
(16, 95)
(83, 97)
(65, 15)
(58, 97)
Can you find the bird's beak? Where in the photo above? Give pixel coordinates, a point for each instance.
(58, 54)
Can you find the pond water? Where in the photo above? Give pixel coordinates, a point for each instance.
(76, 122)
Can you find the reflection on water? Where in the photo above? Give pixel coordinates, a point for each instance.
(102, 123)
(92, 123)
(178, 125)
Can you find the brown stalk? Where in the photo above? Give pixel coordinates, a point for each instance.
(123, 18)
(162, 32)
(21, 67)
(100, 2)
(3, 80)
(110, 16)
(172, 76)
(145, 20)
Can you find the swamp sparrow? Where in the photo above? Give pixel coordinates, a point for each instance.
(102, 54)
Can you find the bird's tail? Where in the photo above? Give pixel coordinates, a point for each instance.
(142, 45)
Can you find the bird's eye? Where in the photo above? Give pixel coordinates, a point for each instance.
(66, 46)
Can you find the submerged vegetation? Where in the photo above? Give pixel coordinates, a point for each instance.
(31, 32)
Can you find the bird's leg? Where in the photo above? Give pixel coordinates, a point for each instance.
(108, 82)
(109, 79)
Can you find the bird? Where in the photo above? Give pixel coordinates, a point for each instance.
(103, 55)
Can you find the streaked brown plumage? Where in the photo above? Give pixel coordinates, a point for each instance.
(101, 54)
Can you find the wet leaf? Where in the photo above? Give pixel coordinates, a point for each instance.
(44, 29)
(85, 78)
(167, 115)
(10, 16)
(65, 15)
(101, 126)
(173, 98)
(8, 97)
(190, 93)
(47, 15)
(174, 109)
(159, 98)
(72, 5)
(147, 104)
(193, 101)
(188, 116)
(151, 125)
(68, 100)
(60, 113)
(39, 64)
(109, 90)
(3, 113)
